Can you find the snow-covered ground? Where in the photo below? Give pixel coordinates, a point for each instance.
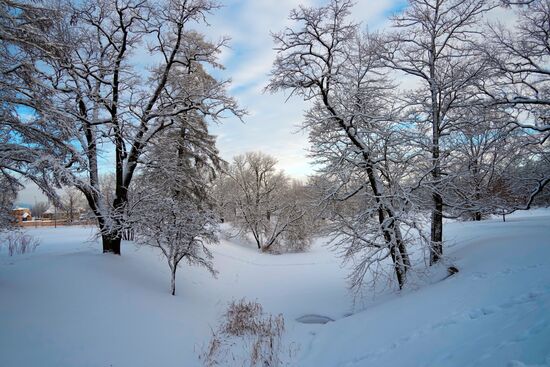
(69, 305)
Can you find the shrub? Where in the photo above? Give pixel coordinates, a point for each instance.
(19, 243)
(247, 336)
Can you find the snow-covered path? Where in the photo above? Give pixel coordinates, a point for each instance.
(69, 305)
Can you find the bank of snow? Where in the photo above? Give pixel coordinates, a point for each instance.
(69, 305)
(494, 312)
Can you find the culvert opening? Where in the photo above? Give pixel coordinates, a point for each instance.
(314, 319)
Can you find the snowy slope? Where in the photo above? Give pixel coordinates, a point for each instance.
(69, 305)
(495, 312)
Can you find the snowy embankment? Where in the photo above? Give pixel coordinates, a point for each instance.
(69, 305)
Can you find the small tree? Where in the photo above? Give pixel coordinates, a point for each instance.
(181, 229)
(479, 152)
(298, 236)
(170, 205)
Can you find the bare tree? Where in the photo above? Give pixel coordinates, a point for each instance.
(265, 205)
(519, 58)
(72, 202)
(323, 59)
(432, 41)
(485, 156)
(87, 94)
(39, 208)
(304, 213)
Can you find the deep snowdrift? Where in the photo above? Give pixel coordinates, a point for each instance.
(69, 305)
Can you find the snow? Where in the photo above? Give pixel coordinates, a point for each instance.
(495, 311)
(69, 305)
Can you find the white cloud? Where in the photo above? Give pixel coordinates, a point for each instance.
(272, 122)
(30, 195)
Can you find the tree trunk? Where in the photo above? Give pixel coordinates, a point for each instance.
(257, 239)
(173, 280)
(436, 250)
(396, 246)
(398, 266)
(398, 258)
(401, 246)
(111, 243)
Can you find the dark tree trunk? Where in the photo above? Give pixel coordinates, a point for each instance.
(399, 259)
(257, 239)
(401, 246)
(436, 250)
(111, 244)
(173, 280)
(396, 246)
(128, 235)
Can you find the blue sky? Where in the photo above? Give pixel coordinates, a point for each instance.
(273, 124)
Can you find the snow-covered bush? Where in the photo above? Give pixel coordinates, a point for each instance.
(19, 243)
(247, 336)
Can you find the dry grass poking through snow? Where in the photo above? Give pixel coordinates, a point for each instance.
(247, 336)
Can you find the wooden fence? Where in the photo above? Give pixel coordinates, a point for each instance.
(55, 223)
